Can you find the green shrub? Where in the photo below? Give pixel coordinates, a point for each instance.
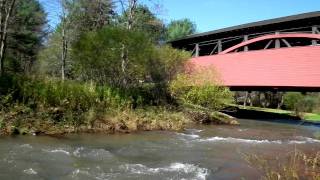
(202, 89)
(98, 56)
(302, 103)
(291, 100)
(68, 100)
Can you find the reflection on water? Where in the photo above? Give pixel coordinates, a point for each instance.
(202, 152)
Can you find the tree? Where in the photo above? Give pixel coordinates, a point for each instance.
(143, 20)
(97, 55)
(138, 18)
(128, 10)
(6, 7)
(90, 15)
(180, 28)
(76, 17)
(166, 63)
(49, 58)
(26, 32)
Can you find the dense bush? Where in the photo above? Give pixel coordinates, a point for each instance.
(100, 55)
(302, 103)
(291, 99)
(68, 99)
(30, 104)
(201, 88)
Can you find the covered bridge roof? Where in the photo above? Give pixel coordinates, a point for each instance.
(288, 23)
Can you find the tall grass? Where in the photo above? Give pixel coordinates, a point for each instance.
(62, 101)
(57, 106)
(296, 166)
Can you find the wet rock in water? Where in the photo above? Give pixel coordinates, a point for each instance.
(234, 122)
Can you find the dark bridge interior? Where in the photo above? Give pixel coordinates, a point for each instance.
(214, 42)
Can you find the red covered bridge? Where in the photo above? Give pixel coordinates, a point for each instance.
(292, 68)
(284, 58)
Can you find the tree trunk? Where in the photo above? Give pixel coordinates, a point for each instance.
(124, 54)
(6, 7)
(250, 99)
(280, 100)
(64, 44)
(124, 63)
(246, 99)
(63, 54)
(132, 9)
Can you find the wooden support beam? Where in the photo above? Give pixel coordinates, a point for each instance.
(277, 44)
(246, 38)
(315, 30)
(197, 49)
(214, 49)
(193, 51)
(268, 45)
(286, 42)
(219, 46)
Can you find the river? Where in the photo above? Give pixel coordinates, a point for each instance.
(201, 152)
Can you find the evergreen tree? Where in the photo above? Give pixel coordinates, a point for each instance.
(25, 35)
(180, 28)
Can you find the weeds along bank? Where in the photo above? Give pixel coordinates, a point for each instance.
(31, 105)
(297, 165)
(115, 80)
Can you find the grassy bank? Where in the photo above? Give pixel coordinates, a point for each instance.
(22, 120)
(310, 117)
(31, 105)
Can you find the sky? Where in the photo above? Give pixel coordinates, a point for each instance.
(215, 14)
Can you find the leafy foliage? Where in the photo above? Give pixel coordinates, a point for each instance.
(98, 55)
(26, 33)
(144, 21)
(65, 97)
(179, 29)
(200, 88)
(90, 15)
(292, 99)
(302, 103)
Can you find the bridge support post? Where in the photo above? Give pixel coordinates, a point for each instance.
(246, 38)
(197, 49)
(286, 42)
(268, 45)
(315, 30)
(214, 49)
(219, 46)
(277, 45)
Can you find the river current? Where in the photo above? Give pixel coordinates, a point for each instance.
(201, 152)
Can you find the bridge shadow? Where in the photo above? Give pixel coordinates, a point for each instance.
(267, 116)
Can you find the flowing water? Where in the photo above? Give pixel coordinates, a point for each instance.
(202, 152)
